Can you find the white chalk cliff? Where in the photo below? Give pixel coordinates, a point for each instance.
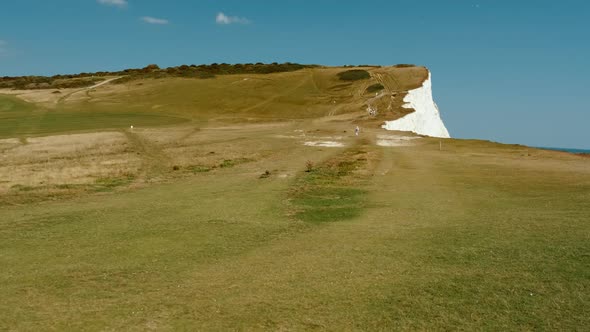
(425, 120)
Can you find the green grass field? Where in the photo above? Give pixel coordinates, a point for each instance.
(276, 235)
(19, 118)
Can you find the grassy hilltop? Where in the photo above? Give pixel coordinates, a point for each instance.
(243, 200)
(161, 97)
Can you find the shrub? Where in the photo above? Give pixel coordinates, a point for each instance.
(354, 75)
(375, 87)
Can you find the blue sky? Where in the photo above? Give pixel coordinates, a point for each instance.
(508, 71)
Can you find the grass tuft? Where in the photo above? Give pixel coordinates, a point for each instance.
(109, 183)
(198, 168)
(233, 162)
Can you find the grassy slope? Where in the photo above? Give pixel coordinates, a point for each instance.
(452, 239)
(304, 94)
(477, 236)
(292, 95)
(19, 118)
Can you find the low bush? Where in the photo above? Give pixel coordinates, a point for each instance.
(375, 88)
(354, 75)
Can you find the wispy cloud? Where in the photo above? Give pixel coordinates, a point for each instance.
(221, 18)
(154, 20)
(118, 3)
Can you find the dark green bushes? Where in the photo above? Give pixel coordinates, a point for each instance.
(354, 75)
(150, 71)
(375, 88)
(42, 82)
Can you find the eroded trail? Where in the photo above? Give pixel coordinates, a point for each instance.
(65, 97)
(154, 160)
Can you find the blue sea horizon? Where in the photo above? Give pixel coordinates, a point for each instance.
(564, 149)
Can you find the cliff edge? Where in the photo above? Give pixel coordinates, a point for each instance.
(425, 120)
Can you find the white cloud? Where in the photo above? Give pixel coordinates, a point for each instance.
(118, 3)
(221, 18)
(154, 20)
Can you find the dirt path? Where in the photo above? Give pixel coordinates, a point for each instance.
(68, 95)
(154, 160)
(390, 82)
(385, 163)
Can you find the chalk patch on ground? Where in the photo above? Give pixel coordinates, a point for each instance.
(398, 138)
(287, 136)
(328, 144)
(386, 140)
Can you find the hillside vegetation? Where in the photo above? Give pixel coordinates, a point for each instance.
(150, 71)
(354, 75)
(245, 201)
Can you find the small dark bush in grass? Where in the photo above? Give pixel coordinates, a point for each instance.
(265, 174)
(22, 188)
(375, 88)
(354, 75)
(404, 65)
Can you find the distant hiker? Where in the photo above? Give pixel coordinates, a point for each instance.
(357, 130)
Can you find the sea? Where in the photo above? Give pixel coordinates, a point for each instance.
(565, 150)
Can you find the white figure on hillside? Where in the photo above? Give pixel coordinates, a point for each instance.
(357, 130)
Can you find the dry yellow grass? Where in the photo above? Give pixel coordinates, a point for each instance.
(66, 159)
(52, 98)
(45, 98)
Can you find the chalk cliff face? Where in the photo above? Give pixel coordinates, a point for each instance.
(426, 118)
